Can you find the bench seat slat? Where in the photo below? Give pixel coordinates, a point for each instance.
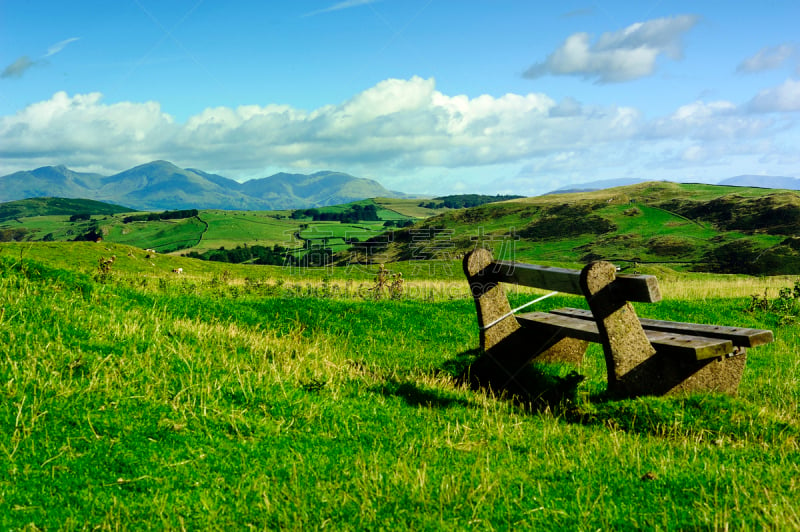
(643, 288)
(699, 347)
(740, 336)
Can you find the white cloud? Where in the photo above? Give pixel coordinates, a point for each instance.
(618, 56)
(395, 124)
(567, 107)
(398, 131)
(81, 130)
(783, 98)
(704, 134)
(401, 123)
(768, 58)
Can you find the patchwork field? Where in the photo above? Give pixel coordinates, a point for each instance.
(201, 232)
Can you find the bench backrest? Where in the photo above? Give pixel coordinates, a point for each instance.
(641, 288)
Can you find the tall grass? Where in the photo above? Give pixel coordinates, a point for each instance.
(704, 286)
(180, 403)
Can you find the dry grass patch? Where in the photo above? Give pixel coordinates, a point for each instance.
(733, 286)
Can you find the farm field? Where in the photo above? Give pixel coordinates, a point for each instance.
(231, 228)
(284, 398)
(406, 208)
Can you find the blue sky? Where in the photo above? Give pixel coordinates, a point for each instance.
(425, 96)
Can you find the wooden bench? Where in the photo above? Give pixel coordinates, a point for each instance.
(643, 357)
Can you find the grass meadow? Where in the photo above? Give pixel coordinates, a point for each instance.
(257, 397)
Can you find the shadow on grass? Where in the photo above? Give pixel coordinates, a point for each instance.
(711, 417)
(416, 395)
(536, 387)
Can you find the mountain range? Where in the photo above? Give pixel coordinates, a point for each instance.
(160, 185)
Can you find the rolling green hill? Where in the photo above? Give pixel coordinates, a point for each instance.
(690, 227)
(56, 206)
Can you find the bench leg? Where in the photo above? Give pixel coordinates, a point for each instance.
(627, 350)
(569, 350)
(633, 365)
(507, 348)
(505, 338)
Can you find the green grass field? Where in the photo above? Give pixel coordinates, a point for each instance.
(408, 208)
(163, 236)
(230, 397)
(232, 228)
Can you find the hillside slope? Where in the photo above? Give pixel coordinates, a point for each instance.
(697, 227)
(687, 227)
(55, 207)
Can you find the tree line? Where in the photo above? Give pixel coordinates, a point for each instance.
(461, 201)
(275, 255)
(355, 214)
(166, 215)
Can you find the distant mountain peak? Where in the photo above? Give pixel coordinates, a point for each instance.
(762, 181)
(759, 181)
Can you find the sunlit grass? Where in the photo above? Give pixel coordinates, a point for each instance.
(230, 397)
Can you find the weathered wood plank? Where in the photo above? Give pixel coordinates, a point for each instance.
(643, 288)
(698, 347)
(545, 277)
(740, 336)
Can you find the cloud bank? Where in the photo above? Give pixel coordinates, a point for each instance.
(781, 99)
(397, 128)
(618, 56)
